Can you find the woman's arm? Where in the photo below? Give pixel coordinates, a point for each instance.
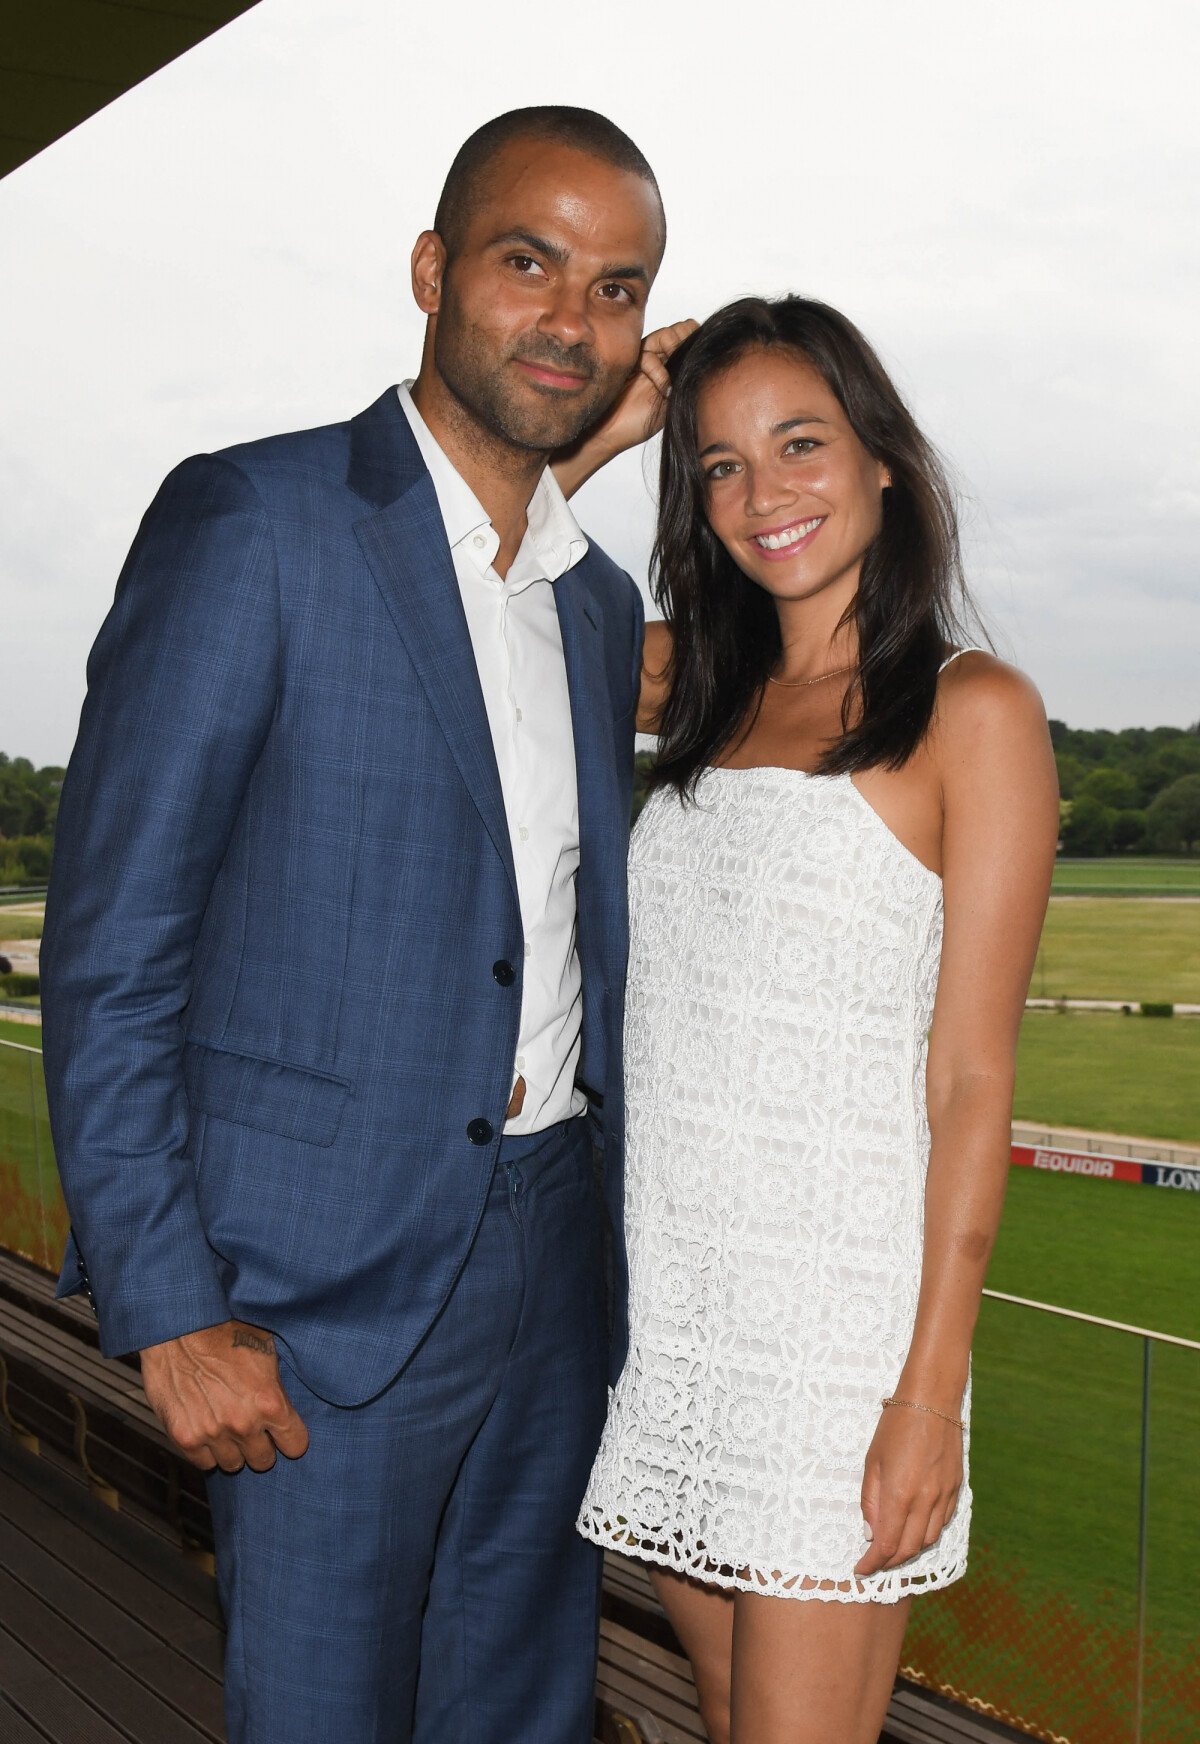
(1000, 832)
(656, 675)
(637, 415)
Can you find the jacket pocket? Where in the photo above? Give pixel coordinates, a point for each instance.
(266, 1094)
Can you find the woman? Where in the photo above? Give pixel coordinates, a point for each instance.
(836, 892)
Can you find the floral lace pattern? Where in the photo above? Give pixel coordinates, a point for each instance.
(783, 961)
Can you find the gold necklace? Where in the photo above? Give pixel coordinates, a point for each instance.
(798, 683)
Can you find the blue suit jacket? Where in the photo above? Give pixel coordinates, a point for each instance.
(282, 878)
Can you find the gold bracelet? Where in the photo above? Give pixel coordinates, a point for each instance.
(933, 1411)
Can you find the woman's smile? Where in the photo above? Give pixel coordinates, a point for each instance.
(783, 542)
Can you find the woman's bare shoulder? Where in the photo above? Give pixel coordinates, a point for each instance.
(985, 706)
(980, 687)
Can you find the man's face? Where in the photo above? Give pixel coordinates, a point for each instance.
(539, 319)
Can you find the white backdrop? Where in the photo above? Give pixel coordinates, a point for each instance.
(1003, 197)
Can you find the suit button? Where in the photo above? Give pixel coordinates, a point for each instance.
(480, 1131)
(504, 972)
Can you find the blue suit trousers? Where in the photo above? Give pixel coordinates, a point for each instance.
(416, 1575)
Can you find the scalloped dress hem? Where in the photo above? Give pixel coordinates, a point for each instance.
(887, 1588)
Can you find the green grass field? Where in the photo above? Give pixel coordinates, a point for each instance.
(20, 926)
(1119, 948)
(1055, 1228)
(1138, 1075)
(1127, 875)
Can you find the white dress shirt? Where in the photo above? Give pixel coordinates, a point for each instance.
(513, 624)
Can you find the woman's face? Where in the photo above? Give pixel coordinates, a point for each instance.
(792, 494)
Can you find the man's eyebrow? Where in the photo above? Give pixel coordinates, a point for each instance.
(538, 244)
(624, 272)
(776, 430)
(559, 255)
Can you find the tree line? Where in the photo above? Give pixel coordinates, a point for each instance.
(28, 808)
(1136, 791)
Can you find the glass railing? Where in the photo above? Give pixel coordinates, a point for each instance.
(33, 1218)
(1079, 1618)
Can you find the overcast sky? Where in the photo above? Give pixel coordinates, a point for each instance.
(1004, 197)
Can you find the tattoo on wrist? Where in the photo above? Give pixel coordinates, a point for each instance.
(251, 1341)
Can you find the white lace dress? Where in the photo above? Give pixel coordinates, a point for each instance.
(783, 962)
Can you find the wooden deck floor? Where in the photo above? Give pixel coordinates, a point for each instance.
(107, 1634)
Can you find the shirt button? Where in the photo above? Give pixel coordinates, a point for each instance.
(520, 1062)
(523, 833)
(504, 972)
(480, 1131)
(479, 541)
(520, 716)
(529, 950)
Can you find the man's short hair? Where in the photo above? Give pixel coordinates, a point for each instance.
(557, 124)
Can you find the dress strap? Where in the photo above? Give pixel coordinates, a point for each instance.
(951, 658)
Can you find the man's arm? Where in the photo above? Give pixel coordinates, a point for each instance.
(181, 692)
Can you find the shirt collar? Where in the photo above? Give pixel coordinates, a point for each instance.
(462, 512)
(554, 533)
(554, 541)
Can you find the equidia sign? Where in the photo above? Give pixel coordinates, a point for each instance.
(1185, 1176)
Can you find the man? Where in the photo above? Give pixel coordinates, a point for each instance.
(334, 962)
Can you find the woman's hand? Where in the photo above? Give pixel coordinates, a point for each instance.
(637, 415)
(639, 412)
(913, 1473)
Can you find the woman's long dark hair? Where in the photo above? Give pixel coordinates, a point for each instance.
(911, 600)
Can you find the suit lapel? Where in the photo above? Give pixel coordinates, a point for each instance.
(581, 624)
(405, 545)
